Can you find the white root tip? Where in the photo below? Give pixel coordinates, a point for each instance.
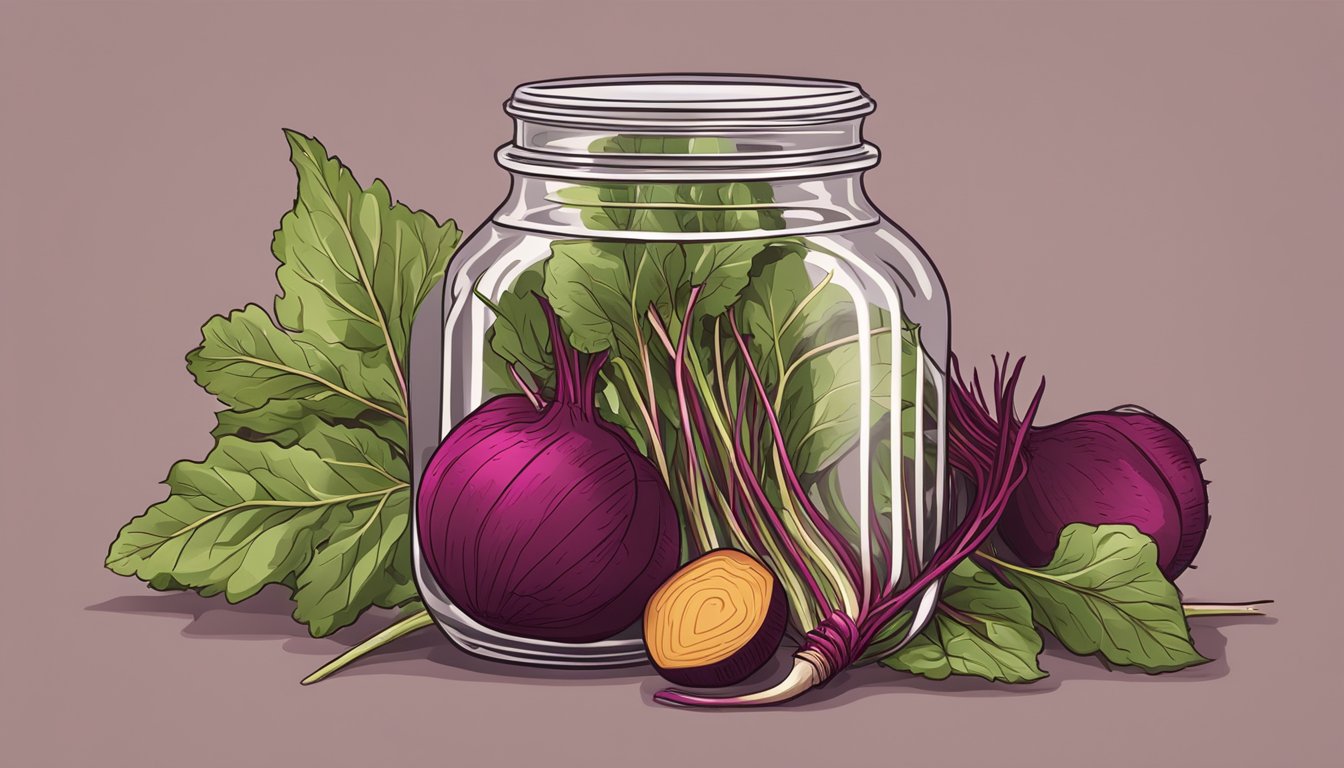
(803, 677)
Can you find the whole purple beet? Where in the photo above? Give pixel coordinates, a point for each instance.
(544, 521)
(1124, 466)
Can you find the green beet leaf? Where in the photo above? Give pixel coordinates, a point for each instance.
(283, 422)
(825, 393)
(354, 266)
(519, 336)
(981, 628)
(307, 485)
(603, 290)
(255, 513)
(783, 313)
(1104, 593)
(247, 362)
(804, 333)
(712, 206)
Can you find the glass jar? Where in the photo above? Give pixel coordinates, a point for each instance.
(634, 198)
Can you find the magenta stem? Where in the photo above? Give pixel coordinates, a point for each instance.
(565, 373)
(985, 514)
(912, 564)
(678, 369)
(1020, 430)
(588, 397)
(713, 457)
(575, 369)
(973, 425)
(743, 462)
(837, 542)
(781, 532)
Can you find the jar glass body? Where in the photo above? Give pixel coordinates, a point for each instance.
(816, 346)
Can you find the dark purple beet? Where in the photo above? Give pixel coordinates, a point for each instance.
(547, 522)
(1110, 467)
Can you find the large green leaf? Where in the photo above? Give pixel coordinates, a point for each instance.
(824, 396)
(981, 628)
(354, 266)
(284, 422)
(307, 485)
(361, 561)
(350, 571)
(246, 361)
(784, 312)
(354, 269)
(257, 513)
(602, 289)
(804, 332)
(1104, 593)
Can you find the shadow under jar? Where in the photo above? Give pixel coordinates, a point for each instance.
(816, 341)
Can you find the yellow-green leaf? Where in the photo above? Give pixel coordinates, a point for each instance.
(257, 513)
(1104, 593)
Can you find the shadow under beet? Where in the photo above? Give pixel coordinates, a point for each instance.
(428, 654)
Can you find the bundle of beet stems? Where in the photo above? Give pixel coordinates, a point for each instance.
(986, 448)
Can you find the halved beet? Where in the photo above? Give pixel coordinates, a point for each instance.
(716, 620)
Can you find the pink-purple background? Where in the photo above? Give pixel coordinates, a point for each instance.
(1144, 198)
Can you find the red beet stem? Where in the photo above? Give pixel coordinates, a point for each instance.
(575, 374)
(564, 374)
(837, 542)
(993, 489)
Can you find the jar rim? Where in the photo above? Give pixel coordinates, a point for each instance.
(688, 101)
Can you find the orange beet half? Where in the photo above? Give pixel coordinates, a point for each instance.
(717, 620)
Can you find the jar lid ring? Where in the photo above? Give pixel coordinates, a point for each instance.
(688, 102)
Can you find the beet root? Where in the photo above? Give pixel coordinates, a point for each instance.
(1113, 467)
(543, 520)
